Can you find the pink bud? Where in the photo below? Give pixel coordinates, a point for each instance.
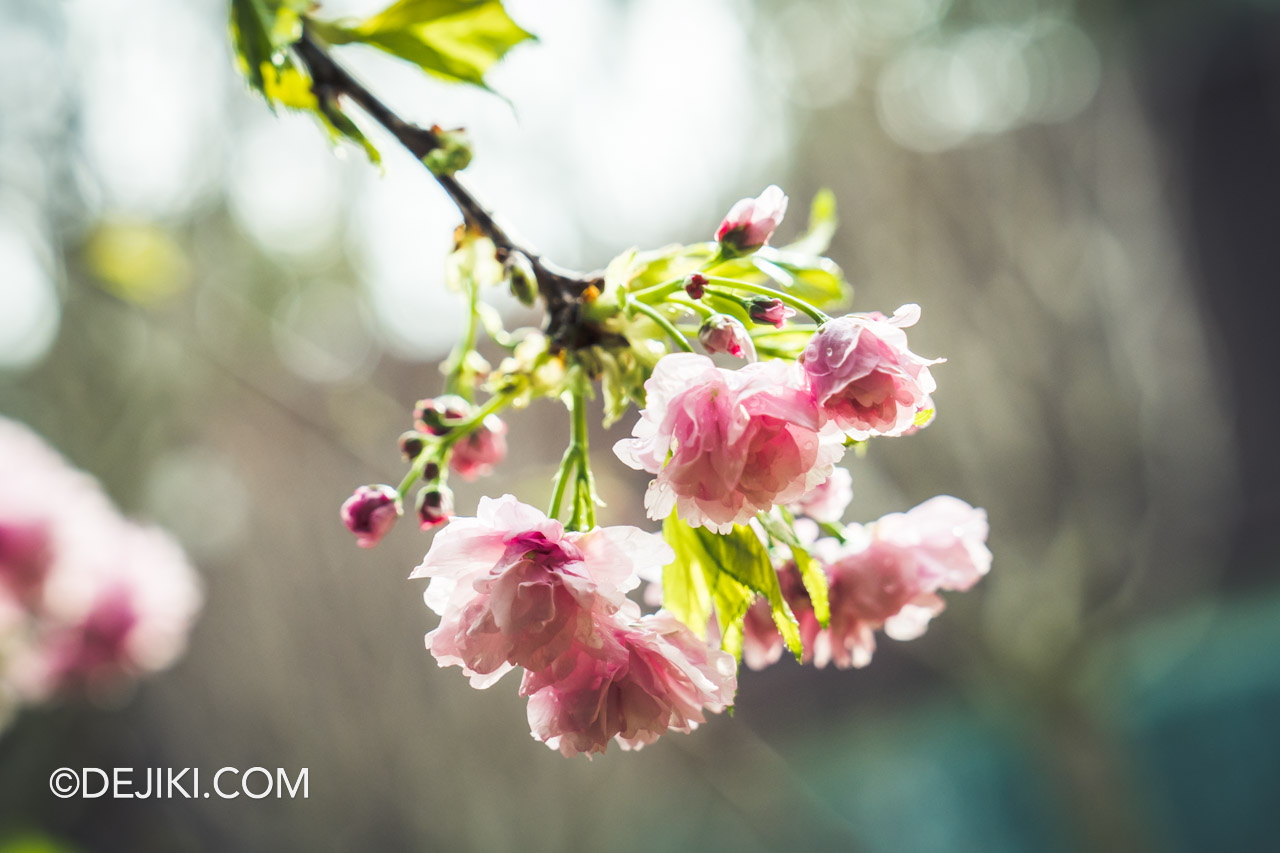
(411, 444)
(435, 506)
(433, 416)
(722, 333)
(371, 512)
(751, 222)
(695, 285)
(764, 309)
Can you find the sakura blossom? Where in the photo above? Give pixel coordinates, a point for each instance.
(87, 599)
(889, 574)
(513, 588)
(827, 501)
(632, 683)
(865, 377)
(477, 454)
(726, 444)
(751, 221)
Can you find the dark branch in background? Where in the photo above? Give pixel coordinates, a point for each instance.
(561, 289)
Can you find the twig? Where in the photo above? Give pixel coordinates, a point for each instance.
(561, 289)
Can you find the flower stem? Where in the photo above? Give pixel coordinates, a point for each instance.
(458, 358)
(667, 326)
(439, 452)
(584, 510)
(764, 290)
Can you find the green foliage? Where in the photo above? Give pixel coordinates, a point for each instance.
(261, 32)
(722, 573)
(455, 40)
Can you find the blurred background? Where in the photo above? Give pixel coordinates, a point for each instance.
(228, 324)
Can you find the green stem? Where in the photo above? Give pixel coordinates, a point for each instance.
(667, 326)
(438, 452)
(834, 530)
(458, 358)
(584, 511)
(764, 290)
(568, 463)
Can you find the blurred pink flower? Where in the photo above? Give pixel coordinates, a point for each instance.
(864, 376)
(751, 221)
(371, 512)
(727, 444)
(722, 333)
(827, 501)
(90, 597)
(632, 682)
(475, 455)
(762, 645)
(888, 576)
(514, 589)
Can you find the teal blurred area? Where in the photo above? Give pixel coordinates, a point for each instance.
(228, 323)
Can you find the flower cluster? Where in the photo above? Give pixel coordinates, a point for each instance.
(88, 600)
(515, 589)
(885, 576)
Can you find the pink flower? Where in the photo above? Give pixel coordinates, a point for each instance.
(751, 222)
(722, 333)
(772, 311)
(863, 375)
(86, 597)
(475, 455)
(514, 589)
(371, 512)
(435, 506)
(727, 444)
(827, 501)
(762, 645)
(889, 574)
(632, 682)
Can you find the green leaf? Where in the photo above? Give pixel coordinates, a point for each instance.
(724, 572)
(822, 226)
(815, 583)
(455, 40)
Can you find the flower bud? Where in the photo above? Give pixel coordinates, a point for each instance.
(765, 309)
(524, 283)
(435, 506)
(451, 154)
(751, 222)
(722, 333)
(371, 512)
(412, 444)
(695, 285)
(434, 414)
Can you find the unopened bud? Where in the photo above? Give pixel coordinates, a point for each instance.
(695, 285)
(436, 414)
(451, 154)
(524, 282)
(412, 443)
(435, 506)
(371, 512)
(770, 310)
(722, 333)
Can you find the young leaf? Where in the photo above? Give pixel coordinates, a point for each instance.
(724, 571)
(822, 226)
(455, 40)
(811, 573)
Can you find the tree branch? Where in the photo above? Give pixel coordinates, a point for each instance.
(561, 289)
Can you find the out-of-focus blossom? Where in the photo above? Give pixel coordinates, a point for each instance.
(727, 444)
(722, 333)
(514, 589)
(476, 454)
(751, 221)
(86, 598)
(827, 501)
(888, 576)
(371, 512)
(633, 683)
(762, 645)
(435, 506)
(769, 310)
(864, 376)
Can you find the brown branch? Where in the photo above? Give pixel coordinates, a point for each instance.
(561, 289)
